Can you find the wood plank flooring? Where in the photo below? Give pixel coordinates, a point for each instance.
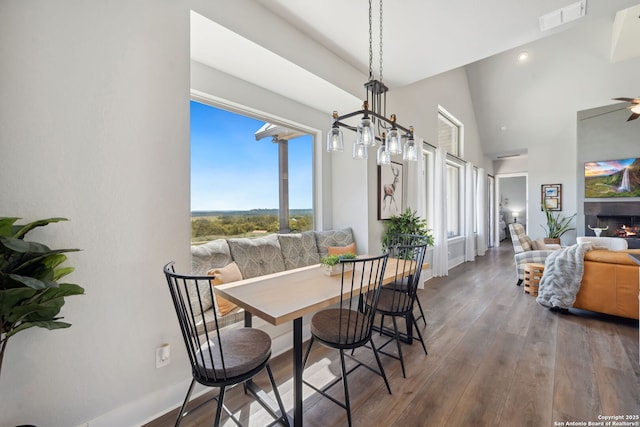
(496, 358)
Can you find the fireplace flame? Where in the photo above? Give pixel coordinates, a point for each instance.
(626, 231)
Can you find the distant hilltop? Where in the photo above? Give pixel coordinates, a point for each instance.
(251, 212)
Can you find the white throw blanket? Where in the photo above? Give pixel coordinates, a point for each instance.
(562, 275)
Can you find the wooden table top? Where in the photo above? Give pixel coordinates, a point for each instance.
(282, 297)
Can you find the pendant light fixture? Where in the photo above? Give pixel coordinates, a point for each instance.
(374, 125)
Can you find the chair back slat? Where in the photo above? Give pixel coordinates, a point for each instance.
(202, 338)
(405, 284)
(361, 278)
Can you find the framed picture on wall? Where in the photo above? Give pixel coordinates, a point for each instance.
(389, 190)
(551, 197)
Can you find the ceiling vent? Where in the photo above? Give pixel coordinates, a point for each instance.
(563, 15)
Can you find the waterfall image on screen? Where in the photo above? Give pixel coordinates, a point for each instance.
(612, 178)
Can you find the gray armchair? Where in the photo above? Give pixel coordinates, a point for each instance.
(524, 250)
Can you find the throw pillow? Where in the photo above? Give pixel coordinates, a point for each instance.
(227, 274)
(538, 244)
(339, 250)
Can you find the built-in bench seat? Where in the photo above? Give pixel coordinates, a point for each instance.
(228, 260)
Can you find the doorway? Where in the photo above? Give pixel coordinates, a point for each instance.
(511, 203)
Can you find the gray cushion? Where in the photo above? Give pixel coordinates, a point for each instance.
(340, 326)
(242, 350)
(213, 254)
(299, 250)
(258, 256)
(324, 239)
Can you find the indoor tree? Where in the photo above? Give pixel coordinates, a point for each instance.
(30, 292)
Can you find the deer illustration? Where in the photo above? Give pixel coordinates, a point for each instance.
(389, 191)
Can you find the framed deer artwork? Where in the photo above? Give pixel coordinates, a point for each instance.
(390, 190)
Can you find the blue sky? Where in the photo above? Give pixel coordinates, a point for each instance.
(230, 170)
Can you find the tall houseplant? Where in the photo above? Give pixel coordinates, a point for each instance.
(408, 222)
(30, 292)
(557, 225)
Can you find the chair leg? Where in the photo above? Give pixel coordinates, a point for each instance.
(284, 418)
(397, 337)
(346, 387)
(216, 421)
(519, 282)
(306, 356)
(384, 376)
(184, 404)
(415, 324)
(421, 311)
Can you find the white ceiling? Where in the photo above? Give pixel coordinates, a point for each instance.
(421, 39)
(424, 38)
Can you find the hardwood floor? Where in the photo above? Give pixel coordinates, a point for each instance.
(496, 358)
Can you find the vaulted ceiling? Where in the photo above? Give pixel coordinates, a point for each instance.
(424, 38)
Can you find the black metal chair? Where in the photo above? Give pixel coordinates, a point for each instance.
(219, 358)
(410, 240)
(398, 299)
(348, 325)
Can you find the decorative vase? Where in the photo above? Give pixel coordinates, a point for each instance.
(549, 240)
(332, 270)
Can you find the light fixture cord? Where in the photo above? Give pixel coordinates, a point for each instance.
(370, 43)
(380, 41)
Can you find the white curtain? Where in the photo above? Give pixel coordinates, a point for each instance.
(440, 252)
(416, 192)
(481, 211)
(469, 215)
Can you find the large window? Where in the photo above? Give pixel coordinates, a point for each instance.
(449, 133)
(248, 177)
(450, 139)
(454, 195)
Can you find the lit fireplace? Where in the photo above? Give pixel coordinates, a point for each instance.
(627, 231)
(617, 219)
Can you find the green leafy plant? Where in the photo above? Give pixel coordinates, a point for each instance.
(557, 224)
(331, 260)
(408, 222)
(30, 294)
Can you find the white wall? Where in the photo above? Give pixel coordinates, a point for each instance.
(417, 105)
(570, 71)
(94, 126)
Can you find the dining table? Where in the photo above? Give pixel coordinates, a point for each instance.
(288, 296)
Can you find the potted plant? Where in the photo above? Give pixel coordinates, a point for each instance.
(408, 222)
(330, 263)
(30, 292)
(557, 225)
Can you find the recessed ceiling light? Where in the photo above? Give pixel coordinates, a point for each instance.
(523, 56)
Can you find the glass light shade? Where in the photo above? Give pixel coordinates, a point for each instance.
(384, 155)
(365, 133)
(359, 151)
(410, 152)
(393, 142)
(335, 141)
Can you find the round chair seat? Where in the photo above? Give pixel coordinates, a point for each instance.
(393, 301)
(333, 325)
(242, 350)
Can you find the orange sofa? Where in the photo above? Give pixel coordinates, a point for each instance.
(610, 283)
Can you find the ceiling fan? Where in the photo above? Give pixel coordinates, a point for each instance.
(634, 107)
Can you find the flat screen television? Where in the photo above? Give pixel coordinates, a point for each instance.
(612, 178)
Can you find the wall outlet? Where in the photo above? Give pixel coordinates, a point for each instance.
(163, 355)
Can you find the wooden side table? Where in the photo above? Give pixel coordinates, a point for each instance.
(532, 275)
